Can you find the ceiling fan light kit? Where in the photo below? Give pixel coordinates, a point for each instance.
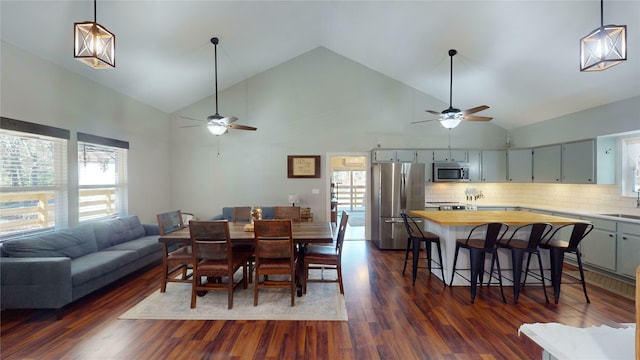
(94, 45)
(604, 47)
(451, 117)
(216, 123)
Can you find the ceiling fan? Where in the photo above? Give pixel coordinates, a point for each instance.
(216, 123)
(451, 117)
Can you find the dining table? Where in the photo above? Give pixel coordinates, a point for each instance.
(451, 225)
(304, 233)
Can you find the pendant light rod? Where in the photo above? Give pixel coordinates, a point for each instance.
(215, 41)
(452, 52)
(601, 13)
(95, 12)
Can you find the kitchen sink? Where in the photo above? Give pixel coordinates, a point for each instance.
(625, 216)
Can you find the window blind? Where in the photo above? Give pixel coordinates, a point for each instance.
(33, 178)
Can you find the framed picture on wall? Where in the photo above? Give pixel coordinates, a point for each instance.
(303, 166)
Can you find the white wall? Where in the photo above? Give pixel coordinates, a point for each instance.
(35, 90)
(317, 103)
(614, 118)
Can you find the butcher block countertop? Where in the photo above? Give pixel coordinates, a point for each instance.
(471, 218)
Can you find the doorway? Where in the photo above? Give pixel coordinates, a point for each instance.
(348, 189)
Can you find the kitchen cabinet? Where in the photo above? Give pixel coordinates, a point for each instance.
(578, 162)
(449, 155)
(387, 155)
(547, 164)
(426, 157)
(494, 165)
(474, 157)
(628, 248)
(599, 247)
(519, 165)
(589, 161)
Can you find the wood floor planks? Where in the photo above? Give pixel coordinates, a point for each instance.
(388, 319)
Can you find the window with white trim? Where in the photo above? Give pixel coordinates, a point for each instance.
(631, 166)
(102, 177)
(33, 178)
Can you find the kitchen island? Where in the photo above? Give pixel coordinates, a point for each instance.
(452, 225)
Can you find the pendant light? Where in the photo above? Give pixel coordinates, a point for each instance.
(94, 45)
(604, 47)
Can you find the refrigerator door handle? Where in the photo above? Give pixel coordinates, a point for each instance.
(394, 221)
(403, 191)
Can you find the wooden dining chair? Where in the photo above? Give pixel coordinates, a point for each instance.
(287, 212)
(215, 260)
(241, 214)
(275, 259)
(324, 257)
(176, 259)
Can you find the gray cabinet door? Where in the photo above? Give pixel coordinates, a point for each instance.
(578, 162)
(547, 164)
(628, 249)
(494, 165)
(599, 249)
(519, 165)
(426, 157)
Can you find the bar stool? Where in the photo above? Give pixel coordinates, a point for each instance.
(415, 237)
(557, 248)
(478, 247)
(525, 239)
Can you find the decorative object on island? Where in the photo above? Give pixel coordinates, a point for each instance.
(216, 123)
(94, 45)
(451, 117)
(294, 199)
(604, 47)
(303, 166)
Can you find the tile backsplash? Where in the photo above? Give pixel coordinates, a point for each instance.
(587, 198)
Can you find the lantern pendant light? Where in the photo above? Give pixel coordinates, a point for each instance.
(94, 45)
(604, 47)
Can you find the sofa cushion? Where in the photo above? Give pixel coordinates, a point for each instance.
(116, 231)
(97, 264)
(73, 243)
(143, 246)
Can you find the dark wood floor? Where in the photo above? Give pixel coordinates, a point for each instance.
(388, 319)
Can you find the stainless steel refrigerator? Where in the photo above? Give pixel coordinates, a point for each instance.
(397, 187)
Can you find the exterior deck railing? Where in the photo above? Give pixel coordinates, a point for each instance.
(23, 211)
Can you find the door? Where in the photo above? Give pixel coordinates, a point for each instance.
(349, 181)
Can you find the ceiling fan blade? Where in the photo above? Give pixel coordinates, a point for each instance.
(475, 110)
(477, 118)
(433, 112)
(242, 127)
(230, 119)
(188, 118)
(422, 121)
(188, 126)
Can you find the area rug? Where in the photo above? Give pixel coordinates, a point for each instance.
(615, 286)
(322, 301)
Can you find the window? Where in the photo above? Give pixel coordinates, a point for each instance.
(102, 177)
(33, 178)
(630, 166)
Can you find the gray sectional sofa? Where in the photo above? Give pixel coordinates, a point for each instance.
(49, 271)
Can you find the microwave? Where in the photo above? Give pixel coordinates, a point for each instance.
(450, 172)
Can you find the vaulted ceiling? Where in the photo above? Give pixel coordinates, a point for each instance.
(519, 57)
